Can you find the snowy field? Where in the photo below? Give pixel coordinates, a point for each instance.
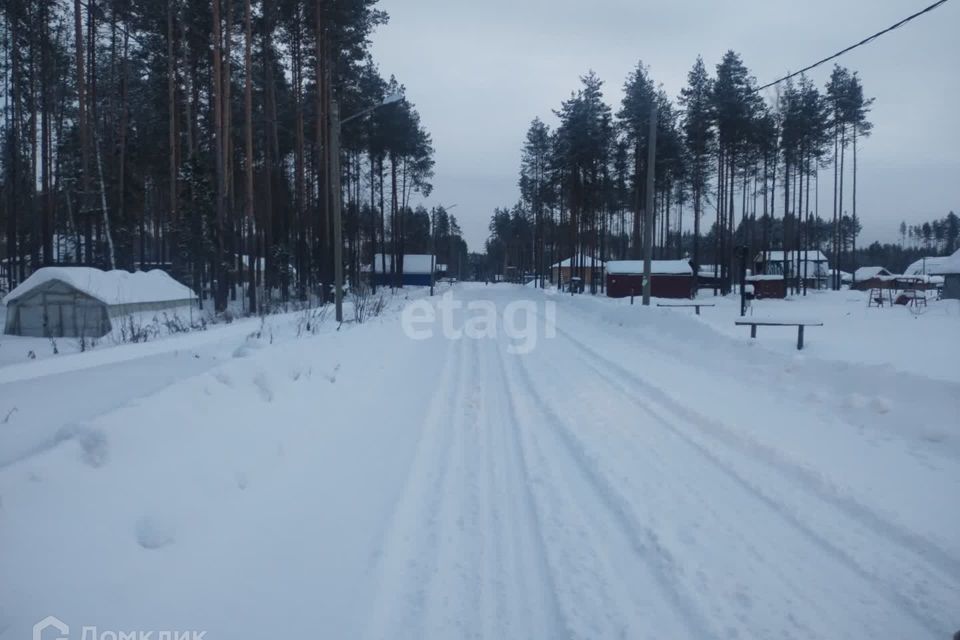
(638, 473)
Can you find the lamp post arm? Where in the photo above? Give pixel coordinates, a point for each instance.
(391, 99)
(360, 114)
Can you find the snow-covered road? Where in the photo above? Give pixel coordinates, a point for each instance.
(636, 474)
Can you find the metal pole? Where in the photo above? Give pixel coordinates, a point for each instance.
(648, 214)
(337, 195)
(743, 282)
(433, 247)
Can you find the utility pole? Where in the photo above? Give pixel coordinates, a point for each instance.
(648, 212)
(337, 195)
(433, 247)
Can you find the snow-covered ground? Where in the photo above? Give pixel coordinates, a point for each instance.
(923, 340)
(639, 473)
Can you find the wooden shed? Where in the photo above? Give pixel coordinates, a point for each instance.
(668, 278)
(768, 286)
(84, 301)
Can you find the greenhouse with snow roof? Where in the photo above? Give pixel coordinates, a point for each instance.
(85, 302)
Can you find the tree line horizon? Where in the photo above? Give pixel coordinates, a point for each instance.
(747, 167)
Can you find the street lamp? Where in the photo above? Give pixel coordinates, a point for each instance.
(336, 124)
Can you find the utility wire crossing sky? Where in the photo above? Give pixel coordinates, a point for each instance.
(479, 73)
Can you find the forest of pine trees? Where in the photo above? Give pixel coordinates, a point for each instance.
(195, 136)
(940, 236)
(732, 170)
(936, 237)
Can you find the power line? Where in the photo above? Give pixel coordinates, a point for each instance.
(854, 46)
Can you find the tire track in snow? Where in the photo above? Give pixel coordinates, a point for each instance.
(614, 570)
(408, 555)
(650, 486)
(457, 591)
(526, 586)
(923, 607)
(927, 549)
(462, 557)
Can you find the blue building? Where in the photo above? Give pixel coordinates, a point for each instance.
(418, 270)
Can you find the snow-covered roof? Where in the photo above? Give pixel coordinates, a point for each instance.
(657, 267)
(952, 265)
(582, 261)
(934, 266)
(763, 277)
(413, 263)
(110, 287)
(777, 256)
(928, 279)
(865, 273)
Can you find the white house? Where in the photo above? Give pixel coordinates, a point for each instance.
(808, 264)
(418, 269)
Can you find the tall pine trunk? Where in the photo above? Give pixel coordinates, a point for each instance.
(171, 133)
(252, 257)
(220, 295)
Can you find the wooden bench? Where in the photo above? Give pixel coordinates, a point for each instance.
(753, 324)
(695, 305)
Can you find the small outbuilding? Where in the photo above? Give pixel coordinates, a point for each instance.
(865, 273)
(768, 286)
(418, 270)
(812, 266)
(562, 272)
(929, 273)
(84, 301)
(866, 278)
(668, 278)
(930, 266)
(951, 277)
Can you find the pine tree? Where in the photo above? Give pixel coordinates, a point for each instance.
(698, 132)
(633, 118)
(534, 186)
(736, 104)
(860, 127)
(952, 231)
(140, 129)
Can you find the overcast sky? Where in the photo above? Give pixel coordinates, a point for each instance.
(479, 72)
